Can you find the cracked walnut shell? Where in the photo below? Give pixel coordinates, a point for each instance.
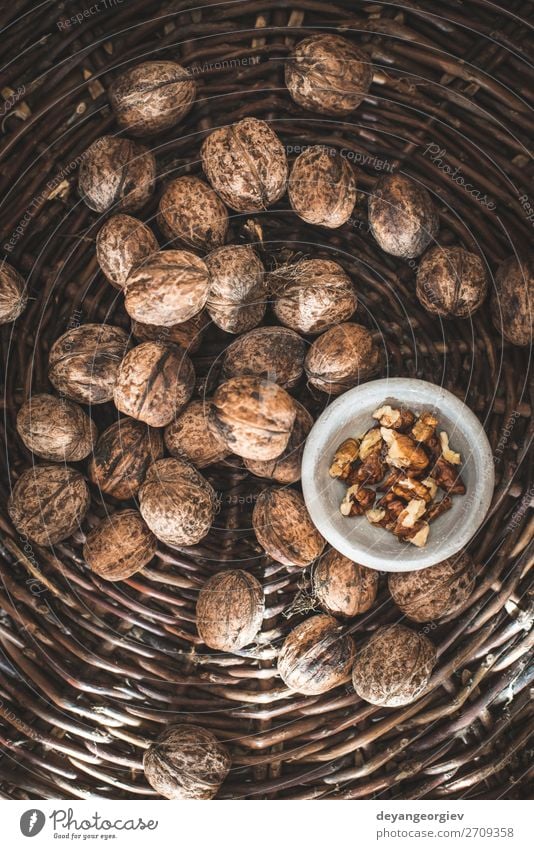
(283, 527)
(229, 610)
(119, 546)
(316, 656)
(186, 762)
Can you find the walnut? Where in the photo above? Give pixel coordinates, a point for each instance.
(84, 362)
(119, 546)
(152, 97)
(358, 499)
(370, 442)
(341, 587)
(346, 454)
(230, 610)
(370, 471)
(312, 295)
(190, 211)
(327, 73)
(402, 216)
(284, 529)
(439, 508)
(449, 455)
(176, 502)
(409, 488)
(56, 429)
(253, 417)
(322, 187)
(394, 666)
(316, 656)
(451, 282)
(413, 511)
(425, 427)
(435, 592)
(341, 358)
(122, 243)
(403, 452)
(186, 762)
(116, 173)
(237, 296)
(275, 353)
(187, 334)
(401, 419)
(122, 455)
(287, 467)
(13, 297)
(447, 477)
(417, 535)
(189, 437)
(246, 164)
(154, 383)
(512, 312)
(169, 287)
(48, 503)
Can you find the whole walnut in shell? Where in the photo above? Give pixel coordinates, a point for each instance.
(187, 334)
(394, 666)
(322, 187)
(342, 587)
(152, 97)
(48, 503)
(435, 592)
(190, 438)
(312, 295)
(284, 529)
(230, 610)
(512, 301)
(287, 467)
(402, 216)
(13, 298)
(316, 656)
(56, 429)
(176, 502)
(275, 353)
(84, 362)
(189, 210)
(116, 174)
(119, 546)
(154, 382)
(327, 73)
(169, 287)
(451, 282)
(253, 417)
(123, 243)
(246, 164)
(122, 455)
(341, 358)
(186, 762)
(238, 290)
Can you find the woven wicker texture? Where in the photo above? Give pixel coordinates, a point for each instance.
(90, 670)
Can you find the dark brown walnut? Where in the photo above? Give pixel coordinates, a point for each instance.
(287, 467)
(246, 164)
(189, 437)
(154, 383)
(343, 588)
(275, 353)
(253, 417)
(237, 297)
(230, 610)
(186, 762)
(312, 295)
(122, 455)
(402, 216)
(48, 503)
(56, 429)
(394, 666)
(316, 656)
(329, 74)
(122, 244)
(512, 301)
(341, 358)
(116, 174)
(176, 502)
(322, 187)
(435, 592)
(451, 282)
(190, 211)
(168, 288)
(188, 334)
(13, 298)
(84, 363)
(119, 546)
(151, 97)
(284, 529)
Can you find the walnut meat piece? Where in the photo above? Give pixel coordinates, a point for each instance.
(119, 546)
(284, 528)
(425, 427)
(190, 211)
(435, 592)
(417, 534)
(346, 454)
(447, 477)
(230, 610)
(121, 457)
(403, 452)
(370, 443)
(357, 500)
(439, 508)
(449, 455)
(341, 587)
(316, 656)
(186, 762)
(401, 419)
(122, 243)
(413, 511)
(168, 288)
(371, 471)
(322, 187)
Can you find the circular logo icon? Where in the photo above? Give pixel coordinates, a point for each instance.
(32, 822)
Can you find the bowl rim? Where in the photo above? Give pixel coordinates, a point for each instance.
(465, 420)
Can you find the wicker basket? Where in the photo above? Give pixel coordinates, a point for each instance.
(90, 671)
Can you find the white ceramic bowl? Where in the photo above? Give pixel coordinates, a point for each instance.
(355, 537)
